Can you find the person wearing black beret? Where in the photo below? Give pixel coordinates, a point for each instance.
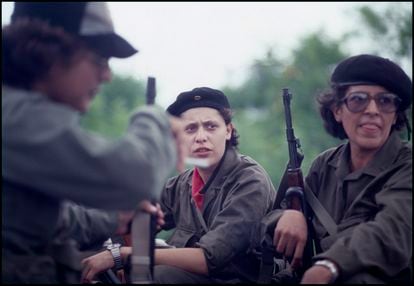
(212, 206)
(55, 174)
(364, 184)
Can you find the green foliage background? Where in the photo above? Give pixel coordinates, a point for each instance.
(257, 102)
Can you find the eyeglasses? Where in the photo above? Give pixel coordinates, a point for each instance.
(358, 101)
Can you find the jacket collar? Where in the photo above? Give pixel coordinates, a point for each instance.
(227, 163)
(385, 156)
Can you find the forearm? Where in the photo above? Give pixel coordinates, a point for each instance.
(89, 227)
(189, 259)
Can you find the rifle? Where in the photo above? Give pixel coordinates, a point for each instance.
(139, 268)
(143, 230)
(150, 95)
(294, 196)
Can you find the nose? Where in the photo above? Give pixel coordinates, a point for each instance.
(372, 107)
(201, 136)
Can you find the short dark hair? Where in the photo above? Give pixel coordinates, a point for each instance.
(333, 98)
(29, 49)
(227, 115)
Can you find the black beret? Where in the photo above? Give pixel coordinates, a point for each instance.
(198, 97)
(370, 69)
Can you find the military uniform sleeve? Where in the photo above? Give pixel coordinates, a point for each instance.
(88, 227)
(168, 200)
(250, 197)
(60, 159)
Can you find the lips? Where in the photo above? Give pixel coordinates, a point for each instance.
(202, 151)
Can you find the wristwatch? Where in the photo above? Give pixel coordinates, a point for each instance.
(330, 266)
(116, 255)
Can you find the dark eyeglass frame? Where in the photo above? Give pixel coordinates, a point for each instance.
(365, 98)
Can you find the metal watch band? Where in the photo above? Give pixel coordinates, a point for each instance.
(330, 266)
(116, 255)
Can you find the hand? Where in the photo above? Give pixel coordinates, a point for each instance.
(290, 236)
(95, 264)
(124, 219)
(316, 275)
(155, 210)
(177, 127)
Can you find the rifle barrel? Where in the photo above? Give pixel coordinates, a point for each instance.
(290, 134)
(150, 95)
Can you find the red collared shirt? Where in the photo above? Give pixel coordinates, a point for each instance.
(197, 186)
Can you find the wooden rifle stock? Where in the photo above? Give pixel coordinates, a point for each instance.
(294, 194)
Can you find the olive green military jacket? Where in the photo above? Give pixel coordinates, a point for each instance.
(238, 195)
(372, 208)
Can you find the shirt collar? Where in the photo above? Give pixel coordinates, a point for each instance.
(385, 156)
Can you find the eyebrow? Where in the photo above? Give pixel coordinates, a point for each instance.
(203, 123)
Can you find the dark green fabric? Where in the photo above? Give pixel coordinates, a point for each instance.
(239, 195)
(372, 207)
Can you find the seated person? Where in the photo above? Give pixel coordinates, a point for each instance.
(212, 207)
(365, 184)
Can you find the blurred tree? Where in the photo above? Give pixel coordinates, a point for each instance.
(390, 29)
(257, 102)
(110, 110)
(259, 113)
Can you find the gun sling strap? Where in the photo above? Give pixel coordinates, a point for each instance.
(269, 265)
(317, 208)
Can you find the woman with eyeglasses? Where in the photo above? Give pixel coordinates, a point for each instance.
(365, 184)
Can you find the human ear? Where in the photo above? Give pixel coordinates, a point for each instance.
(229, 131)
(337, 113)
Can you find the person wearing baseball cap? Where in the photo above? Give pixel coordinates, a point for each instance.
(89, 21)
(365, 183)
(54, 60)
(212, 206)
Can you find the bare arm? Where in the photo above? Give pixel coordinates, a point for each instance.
(189, 259)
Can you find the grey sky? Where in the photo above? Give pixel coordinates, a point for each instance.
(190, 44)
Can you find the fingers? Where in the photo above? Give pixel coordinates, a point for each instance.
(160, 217)
(290, 236)
(124, 218)
(297, 256)
(95, 264)
(148, 207)
(87, 272)
(154, 210)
